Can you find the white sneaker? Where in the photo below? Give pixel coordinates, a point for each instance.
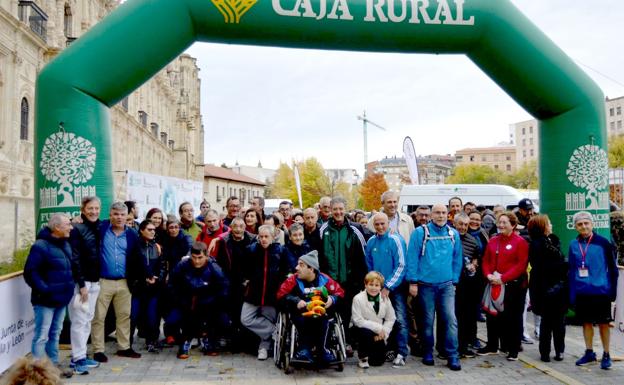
(398, 361)
(263, 354)
(363, 363)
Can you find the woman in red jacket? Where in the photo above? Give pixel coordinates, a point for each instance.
(505, 263)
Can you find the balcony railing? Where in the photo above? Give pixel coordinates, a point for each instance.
(69, 41)
(30, 13)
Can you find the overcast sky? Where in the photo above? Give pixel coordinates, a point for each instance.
(292, 103)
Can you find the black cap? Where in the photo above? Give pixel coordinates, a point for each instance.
(525, 204)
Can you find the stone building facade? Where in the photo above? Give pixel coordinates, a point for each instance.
(156, 129)
(501, 158)
(220, 183)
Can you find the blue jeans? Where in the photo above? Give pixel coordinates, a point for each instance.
(144, 316)
(397, 297)
(48, 326)
(439, 299)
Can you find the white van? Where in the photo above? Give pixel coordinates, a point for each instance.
(488, 195)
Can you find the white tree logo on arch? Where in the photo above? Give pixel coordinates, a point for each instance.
(588, 169)
(68, 160)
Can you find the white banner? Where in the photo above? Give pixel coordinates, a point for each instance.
(17, 321)
(618, 331)
(410, 159)
(298, 185)
(164, 192)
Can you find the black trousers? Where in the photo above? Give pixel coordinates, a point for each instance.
(467, 298)
(553, 325)
(312, 332)
(506, 328)
(375, 351)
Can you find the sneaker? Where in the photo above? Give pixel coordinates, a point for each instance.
(328, 357)
(363, 363)
(605, 362)
(558, 356)
(512, 357)
(100, 357)
(476, 345)
(303, 355)
(453, 364)
(588, 358)
(78, 368)
(428, 359)
(263, 354)
(152, 348)
(390, 356)
(527, 340)
(128, 353)
(65, 372)
(183, 351)
(467, 353)
(486, 351)
(207, 347)
(86, 362)
(399, 361)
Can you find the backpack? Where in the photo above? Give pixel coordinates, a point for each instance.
(427, 237)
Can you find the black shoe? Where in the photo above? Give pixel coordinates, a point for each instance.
(128, 353)
(100, 357)
(442, 356)
(468, 353)
(390, 356)
(512, 357)
(558, 356)
(545, 357)
(486, 351)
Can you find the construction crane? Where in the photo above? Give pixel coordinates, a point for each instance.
(365, 123)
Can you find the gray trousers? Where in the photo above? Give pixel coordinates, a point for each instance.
(261, 321)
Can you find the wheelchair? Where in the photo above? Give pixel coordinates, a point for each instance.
(285, 344)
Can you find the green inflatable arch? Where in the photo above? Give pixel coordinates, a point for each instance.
(76, 90)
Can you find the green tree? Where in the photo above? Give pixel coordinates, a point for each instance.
(314, 182)
(616, 151)
(476, 174)
(370, 191)
(284, 183)
(525, 177)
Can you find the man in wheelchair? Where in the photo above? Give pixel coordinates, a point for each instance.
(310, 297)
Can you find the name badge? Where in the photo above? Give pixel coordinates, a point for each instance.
(583, 272)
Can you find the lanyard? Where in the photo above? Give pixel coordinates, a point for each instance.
(584, 252)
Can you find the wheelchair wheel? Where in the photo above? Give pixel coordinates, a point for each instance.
(279, 347)
(341, 348)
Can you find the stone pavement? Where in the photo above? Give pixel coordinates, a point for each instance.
(165, 368)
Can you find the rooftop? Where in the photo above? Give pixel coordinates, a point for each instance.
(212, 171)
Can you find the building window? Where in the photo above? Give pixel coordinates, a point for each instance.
(124, 103)
(24, 119)
(524, 142)
(218, 195)
(508, 157)
(154, 129)
(143, 118)
(524, 153)
(171, 143)
(530, 129)
(611, 111)
(67, 21)
(495, 167)
(523, 130)
(508, 168)
(483, 158)
(531, 141)
(163, 137)
(612, 126)
(619, 110)
(37, 20)
(472, 158)
(532, 153)
(619, 124)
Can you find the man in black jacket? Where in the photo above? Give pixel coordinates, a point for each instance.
(200, 291)
(85, 243)
(48, 272)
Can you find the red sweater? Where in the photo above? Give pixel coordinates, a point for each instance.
(513, 257)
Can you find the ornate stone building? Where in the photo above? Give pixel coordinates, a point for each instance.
(157, 129)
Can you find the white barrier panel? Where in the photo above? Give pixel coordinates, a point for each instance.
(17, 321)
(618, 330)
(164, 192)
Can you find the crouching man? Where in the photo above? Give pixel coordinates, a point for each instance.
(308, 296)
(199, 290)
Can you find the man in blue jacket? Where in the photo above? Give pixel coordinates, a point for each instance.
(385, 253)
(593, 285)
(48, 272)
(434, 263)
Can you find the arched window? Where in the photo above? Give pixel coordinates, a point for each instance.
(24, 120)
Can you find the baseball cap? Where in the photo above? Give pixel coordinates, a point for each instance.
(525, 204)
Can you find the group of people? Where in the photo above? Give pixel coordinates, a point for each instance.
(222, 278)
